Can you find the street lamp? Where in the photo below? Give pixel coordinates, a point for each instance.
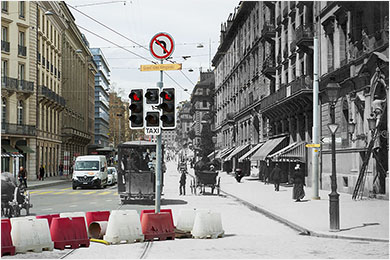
(332, 92)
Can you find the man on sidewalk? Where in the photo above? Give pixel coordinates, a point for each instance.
(276, 175)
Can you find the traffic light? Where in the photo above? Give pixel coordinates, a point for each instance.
(152, 100)
(136, 109)
(168, 108)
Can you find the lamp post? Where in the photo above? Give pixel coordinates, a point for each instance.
(214, 142)
(119, 126)
(332, 92)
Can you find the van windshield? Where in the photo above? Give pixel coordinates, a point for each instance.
(86, 165)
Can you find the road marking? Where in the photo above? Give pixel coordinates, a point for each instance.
(116, 193)
(72, 206)
(45, 192)
(59, 192)
(91, 192)
(67, 188)
(47, 209)
(35, 191)
(75, 192)
(104, 193)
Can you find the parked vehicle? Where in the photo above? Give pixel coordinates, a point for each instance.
(112, 175)
(136, 171)
(90, 171)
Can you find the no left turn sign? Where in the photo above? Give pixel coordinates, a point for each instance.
(161, 46)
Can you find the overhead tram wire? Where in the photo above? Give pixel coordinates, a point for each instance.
(101, 3)
(121, 46)
(117, 45)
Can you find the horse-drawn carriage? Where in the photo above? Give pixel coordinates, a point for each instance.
(205, 179)
(14, 197)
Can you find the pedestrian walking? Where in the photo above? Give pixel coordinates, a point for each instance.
(61, 169)
(22, 176)
(276, 176)
(299, 182)
(41, 173)
(267, 172)
(182, 182)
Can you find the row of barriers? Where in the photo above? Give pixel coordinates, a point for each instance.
(77, 229)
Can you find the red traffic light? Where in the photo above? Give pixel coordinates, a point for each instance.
(167, 96)
(135, 96)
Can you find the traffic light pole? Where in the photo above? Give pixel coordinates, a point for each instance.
(159, 156)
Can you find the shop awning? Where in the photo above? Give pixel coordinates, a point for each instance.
(237, 151)
(8, 148)
(25, 149)
(267, 148)
(211, 155)
(250, 152)
(227, 152)
(291, 153)
(5, 155)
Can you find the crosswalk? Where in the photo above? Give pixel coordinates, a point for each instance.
(70, 191)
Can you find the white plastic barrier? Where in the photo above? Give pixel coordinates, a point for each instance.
(31, 234)
(124, 225)
(75, 214)
(207, 224)
(185, 220)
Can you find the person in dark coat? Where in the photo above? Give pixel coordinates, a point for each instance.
(276, 176)
(182, 182)
(299, 182)
(41, 173)
(22, 176)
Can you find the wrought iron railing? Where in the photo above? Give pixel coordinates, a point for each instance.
(7, 128)
(22, 50)
(4, 46)
(25, 85)
(51, 95)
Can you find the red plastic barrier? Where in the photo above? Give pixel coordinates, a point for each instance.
(6, 241)
(157, 226)
(161, 210)
(97, 216)
(49, 217)
(69, 232)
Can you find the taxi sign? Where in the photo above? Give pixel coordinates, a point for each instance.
(313, 145)
(152, 130)
(157, 67)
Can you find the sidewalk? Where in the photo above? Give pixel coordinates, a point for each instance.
(362, 220)
(47, 182)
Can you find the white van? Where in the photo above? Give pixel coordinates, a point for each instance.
(90, 171)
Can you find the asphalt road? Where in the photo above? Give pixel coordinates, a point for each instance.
(248, 234)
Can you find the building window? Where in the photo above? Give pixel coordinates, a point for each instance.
(330, 53)
(4, 71)
(4, 110)
(20, 112)
(21, 74)
(4, 6)
(22, 45)
(204, 103)
(21, 9)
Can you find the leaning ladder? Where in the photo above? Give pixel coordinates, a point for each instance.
(359, 188)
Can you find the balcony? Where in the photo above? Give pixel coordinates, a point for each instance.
(9, 83)
(51, 96)
(305, 34)
(273, 98)
(268, 32)
(27, 130)
(22, 50)
(25, 86)
(4, 46)
(269, 67)
(301, 83)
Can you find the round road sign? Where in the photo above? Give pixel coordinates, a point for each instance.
(161, 46)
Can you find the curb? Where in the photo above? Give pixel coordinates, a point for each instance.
(47, 184)
(300, 229)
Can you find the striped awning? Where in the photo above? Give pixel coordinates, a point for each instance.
(211, 155)
(292, 153)
(226, 152)
(267, 148)
(236, 151)
(250, 152)
(5, 155)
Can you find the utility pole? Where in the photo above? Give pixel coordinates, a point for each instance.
(160, 84)
(316, 121)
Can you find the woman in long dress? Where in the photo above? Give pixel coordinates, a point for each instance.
(299, 182)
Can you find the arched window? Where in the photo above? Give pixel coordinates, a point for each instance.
(4, 110)
(20, 112)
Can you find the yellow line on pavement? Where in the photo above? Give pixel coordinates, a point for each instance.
(75, 192)
(67, 188)
(104, 193)
(91, 192)
(116, 193)
(34, 191)
(45, 192)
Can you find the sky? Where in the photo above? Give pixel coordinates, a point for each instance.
(189, 22)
